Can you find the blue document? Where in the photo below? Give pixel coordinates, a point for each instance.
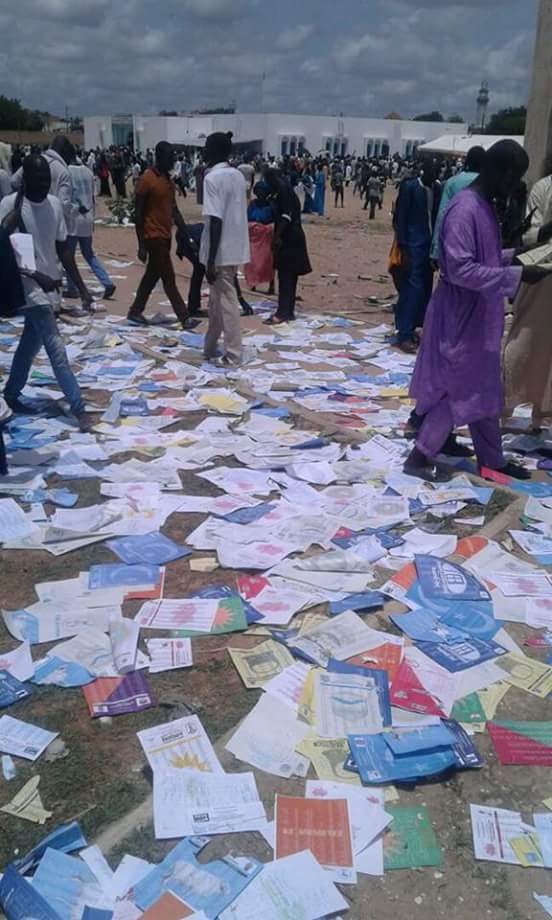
(473, 617)
(11, 689)
(440, 578)
(133, 407)
(380, 679)
(59, 673)
(248, 515)
(20, 901)
(422, 626)
(419, 739)
(209, 887)
(466, 754)
(66, 837)
(95, 913)
(68, 885)
(461, 654)
(222, 591)
(115, 575)
(367, 600)
(377, 764)
(153, 548)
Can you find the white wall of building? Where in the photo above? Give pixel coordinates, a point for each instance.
(279, 132)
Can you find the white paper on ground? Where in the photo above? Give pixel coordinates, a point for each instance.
(187, 803)
(287, 685)
(124, 635)
(294, 887)
(18, 662)
(267, 738)
(23, 739)
(169, 654)
(491, 830)
(14, 523)
(182, 744)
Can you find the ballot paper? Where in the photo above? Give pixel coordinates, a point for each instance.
(14, 523)
(182, 744)
(68, 885)
(538, 255)
(346, 704)
(324, 826)
(18, 662)
(267, 739)
(532, 584)
(288, 685)
(491, 829)
(197, 614)
(92, 650)
(295, 887)
(327, 756)
(187, 803)
(367, 816)
(526, 673)
(23, 247)
(341, 637)
(21, 739)
(124, 635)
(256, 666)
(27, 804)
(169, 654)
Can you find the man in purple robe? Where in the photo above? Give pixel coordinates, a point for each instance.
(457, 377)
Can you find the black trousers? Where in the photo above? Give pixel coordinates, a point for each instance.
(287, 293)
(3, 460)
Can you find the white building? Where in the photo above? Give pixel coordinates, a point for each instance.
(269, 133)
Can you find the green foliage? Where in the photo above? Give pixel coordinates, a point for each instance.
(429, 116)
(508, 121)
(14, 117)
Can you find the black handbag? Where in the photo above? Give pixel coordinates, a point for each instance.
(12, 295)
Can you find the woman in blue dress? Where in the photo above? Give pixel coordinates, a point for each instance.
(320, 190)
(308, 187)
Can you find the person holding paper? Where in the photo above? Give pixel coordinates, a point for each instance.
(457, 376)
(528, 350)
(35, 212)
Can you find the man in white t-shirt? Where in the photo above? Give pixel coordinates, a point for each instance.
(80, 226)
(34, 211)
(224, 246)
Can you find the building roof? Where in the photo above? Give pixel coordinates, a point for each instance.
(461, 143)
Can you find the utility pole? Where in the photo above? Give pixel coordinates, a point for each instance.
(538, 131)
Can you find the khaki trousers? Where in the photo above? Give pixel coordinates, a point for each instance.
(224, 315)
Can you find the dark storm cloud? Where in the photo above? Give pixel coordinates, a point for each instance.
(356, 56)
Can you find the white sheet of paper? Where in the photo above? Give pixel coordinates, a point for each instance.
(182, 744)
(293, 887)
(491, 829)
(267, 738)
(340, 637)
(287, 685)
(346, 704)
(23, 247)
(197, 614)
(14, 523)
(18, 662)
(188, 803)
(23, 739)
(169, 654)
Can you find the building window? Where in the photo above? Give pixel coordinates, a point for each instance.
(369, 146)
(284, 146)
(328, 144)
(293, 146)
(385, 149)
(301, 146)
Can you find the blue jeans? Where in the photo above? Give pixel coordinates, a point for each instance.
(41, 329)
(414, 293)
(85, 243)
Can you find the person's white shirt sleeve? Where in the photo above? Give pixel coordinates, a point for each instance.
(61, 226)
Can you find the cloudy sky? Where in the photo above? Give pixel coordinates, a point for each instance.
(356, 56)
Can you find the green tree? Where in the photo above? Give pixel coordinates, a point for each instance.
(14, 117)
(429, 116)
(508, 121)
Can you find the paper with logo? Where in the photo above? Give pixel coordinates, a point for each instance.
(256, 666)
(459, 654)
(410, 843)
(469, 710)
(527, 850)
(117, 696)
(527, 674)
(295, 887)
(66, 837)
(528, 743)
(377, 676)
(345, 704)
(377, 764)
(192, 614)
(153, 548)
(327, 756)
(321, 825)
(386, 657)
(169, 654)
(21, 739)
(182, 744)
(440, 578)
(141, 581)
(233, 614)
(491, 829)
(91, 649)
(21, 901)
(187, 803)
(69, 885)
(466, 754)
(341, 637)
(27, 804)
(11, 690)
(46, 622)
(422, 626)
(525, 584)
(210, 887)
(267, 739)
(475, 617)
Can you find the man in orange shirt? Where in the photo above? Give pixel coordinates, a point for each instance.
(156, 212)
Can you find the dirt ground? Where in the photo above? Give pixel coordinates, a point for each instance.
(103, 782)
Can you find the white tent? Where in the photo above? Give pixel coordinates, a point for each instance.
(459, 144)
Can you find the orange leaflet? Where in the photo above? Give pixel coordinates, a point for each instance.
(319, 825)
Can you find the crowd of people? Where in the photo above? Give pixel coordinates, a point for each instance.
(463, 221)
